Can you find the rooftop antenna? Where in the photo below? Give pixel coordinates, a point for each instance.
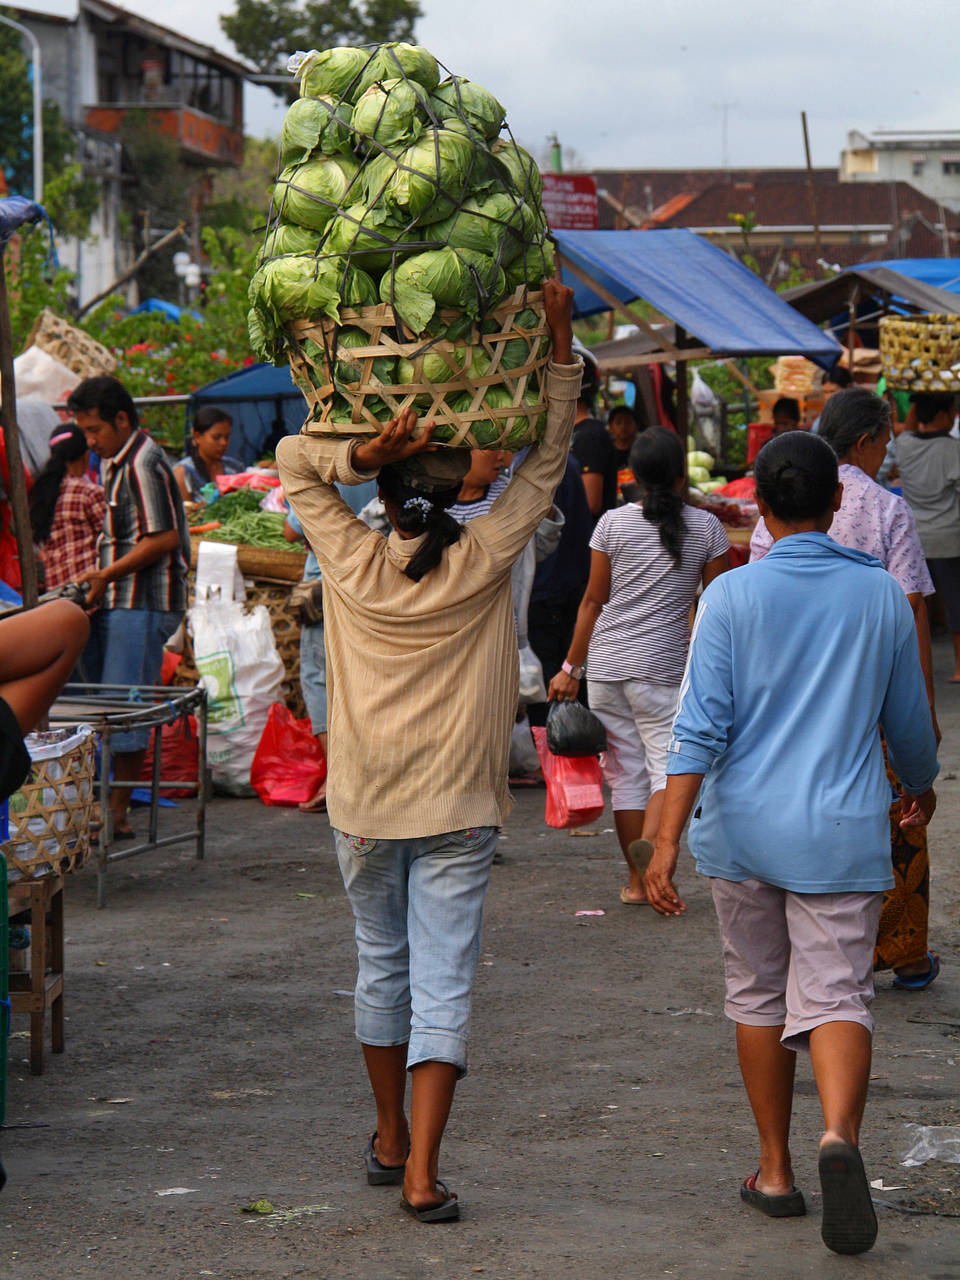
(724, 109)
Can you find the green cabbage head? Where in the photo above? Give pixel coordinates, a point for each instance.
(286, 237)
(314, 124)
(427, 182)
(332, 71)
(471, 102)
(455, 278)
(495, 224)
(350, 370)
(401, 61)
(310, 194)
(519, 164)
(367, 236)
(531, 268)
(390, 112)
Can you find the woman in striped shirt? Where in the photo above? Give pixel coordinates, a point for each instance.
(648, 559)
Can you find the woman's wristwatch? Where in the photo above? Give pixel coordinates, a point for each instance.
(575, 672)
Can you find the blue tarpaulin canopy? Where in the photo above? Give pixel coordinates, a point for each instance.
(705, 291)
(263, 403)
(941, 273)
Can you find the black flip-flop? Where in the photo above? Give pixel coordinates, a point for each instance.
(381, 1175)
(849, 1222)
(447, 1211)
(788, 1205)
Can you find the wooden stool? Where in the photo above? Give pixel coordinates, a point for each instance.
(42, 987)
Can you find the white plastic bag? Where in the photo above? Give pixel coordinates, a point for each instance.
(523, 751)
(242, 673)
(532, 688)
(932, 1142)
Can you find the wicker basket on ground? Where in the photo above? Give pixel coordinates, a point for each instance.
(261, 562)
(50, 814)
(70, 345)
(472, 424)
(921, 353)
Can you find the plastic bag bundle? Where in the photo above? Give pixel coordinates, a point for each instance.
(404, 239)
(573, 730)
(289, 764)
(574, 785)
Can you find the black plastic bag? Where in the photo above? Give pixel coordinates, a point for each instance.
(572, 730)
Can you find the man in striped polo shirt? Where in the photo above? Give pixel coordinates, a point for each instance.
(139, 590)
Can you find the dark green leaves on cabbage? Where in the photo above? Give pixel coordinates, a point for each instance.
(350, 369)
(465, 98)
(310, 194)
(314, 124)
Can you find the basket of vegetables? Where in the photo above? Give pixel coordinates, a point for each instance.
(262, 550)
(406, 249)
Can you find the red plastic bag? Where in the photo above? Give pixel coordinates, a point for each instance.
(289, 763)
(574, 792)
(178, 758)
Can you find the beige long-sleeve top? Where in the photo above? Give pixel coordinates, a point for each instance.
(421, 676)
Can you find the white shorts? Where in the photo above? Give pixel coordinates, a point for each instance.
(638, 717)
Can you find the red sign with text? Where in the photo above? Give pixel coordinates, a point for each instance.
(570, 201)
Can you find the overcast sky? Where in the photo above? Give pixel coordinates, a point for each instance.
(636, 85)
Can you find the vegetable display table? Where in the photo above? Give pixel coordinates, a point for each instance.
(113, 709)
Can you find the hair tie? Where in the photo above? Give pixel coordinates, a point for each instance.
(423, 505)
(64, 435)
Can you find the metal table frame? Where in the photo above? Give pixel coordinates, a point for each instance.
(114, 708)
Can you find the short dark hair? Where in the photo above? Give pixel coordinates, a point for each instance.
(106, 396)
(789, 406)
(929, 403)
(840, 377)
(796, 475)
(621, 410)
(850, 414)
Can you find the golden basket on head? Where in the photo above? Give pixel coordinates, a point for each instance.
(921, 353)
(513, 359)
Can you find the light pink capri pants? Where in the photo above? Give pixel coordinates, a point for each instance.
(796, 960)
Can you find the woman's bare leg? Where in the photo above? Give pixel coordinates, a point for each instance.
(768, 1070)
(629, 824)
(387, 1070)
(433, 1085)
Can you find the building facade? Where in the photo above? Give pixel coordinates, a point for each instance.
(100, 63)
(927, 159)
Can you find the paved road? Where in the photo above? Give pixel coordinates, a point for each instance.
(602, 1130)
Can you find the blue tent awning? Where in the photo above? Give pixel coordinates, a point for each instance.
(941, 273)
(700, 287)
(263, 403)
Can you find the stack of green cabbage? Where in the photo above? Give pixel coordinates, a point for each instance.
(395, 187)
(699, 467)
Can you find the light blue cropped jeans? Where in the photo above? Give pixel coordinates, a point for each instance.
(418, 906)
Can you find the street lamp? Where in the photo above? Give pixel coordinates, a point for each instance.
(37, 108)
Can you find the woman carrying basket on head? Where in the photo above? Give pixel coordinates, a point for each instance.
(422, 663)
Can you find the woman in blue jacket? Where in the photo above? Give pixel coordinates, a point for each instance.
(796, 664)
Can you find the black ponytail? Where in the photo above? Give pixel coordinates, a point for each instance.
(422, 511)
(657, 462)
(70, 444)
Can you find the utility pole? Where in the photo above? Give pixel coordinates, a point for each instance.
(813, 191)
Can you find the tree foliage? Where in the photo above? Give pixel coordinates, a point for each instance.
(268, 31)
(70, 199)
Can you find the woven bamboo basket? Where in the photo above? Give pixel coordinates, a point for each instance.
(50, 815)
(921, 353)
(275, 596)
(261, 562)
(476, 427)
(70, 345)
